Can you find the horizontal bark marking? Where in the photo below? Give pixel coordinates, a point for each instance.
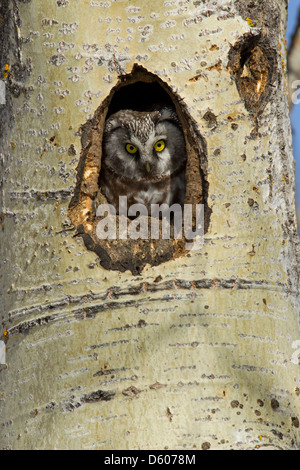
(251, 368)
(112, 343)
(98, 395)
(102, 372)
(24, 327)
(196, 344)
(90, 312)
(67, 405)
(116, 292)
(107, 302)
(216, 398)
(131, 391)
(72, 403)
(58, 195)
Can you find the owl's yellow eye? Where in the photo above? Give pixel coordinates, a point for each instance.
(131, 148)
(159, 146)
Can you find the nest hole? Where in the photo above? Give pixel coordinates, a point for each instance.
(138, 91)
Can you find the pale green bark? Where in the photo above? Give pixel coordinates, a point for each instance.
(105, 360)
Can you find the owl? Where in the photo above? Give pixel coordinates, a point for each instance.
(143, 158)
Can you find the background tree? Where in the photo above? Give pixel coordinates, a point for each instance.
(201, 350)
(293, 44)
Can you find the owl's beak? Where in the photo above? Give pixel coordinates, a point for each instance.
(148, 167)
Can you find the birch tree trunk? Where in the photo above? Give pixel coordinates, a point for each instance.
(199, 351)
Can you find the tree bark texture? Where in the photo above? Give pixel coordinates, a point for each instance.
(196, 352)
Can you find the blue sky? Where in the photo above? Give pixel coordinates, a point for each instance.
(294, 6)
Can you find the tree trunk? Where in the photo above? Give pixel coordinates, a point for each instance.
(198, 351)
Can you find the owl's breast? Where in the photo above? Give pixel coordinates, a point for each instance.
(167, 191)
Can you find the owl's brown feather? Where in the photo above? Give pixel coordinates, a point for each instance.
(148, 176)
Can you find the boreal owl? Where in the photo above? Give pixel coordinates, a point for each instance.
(144, 158)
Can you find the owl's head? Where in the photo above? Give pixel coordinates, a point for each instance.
(144, 145)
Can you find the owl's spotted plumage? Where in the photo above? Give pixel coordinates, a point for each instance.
(143, 158)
